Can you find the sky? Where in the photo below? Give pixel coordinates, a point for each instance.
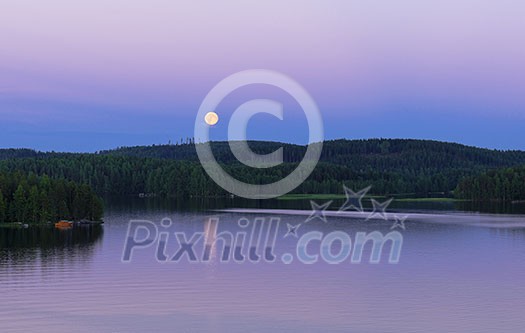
(92, 75)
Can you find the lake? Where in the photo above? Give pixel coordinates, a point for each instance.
(457, 271)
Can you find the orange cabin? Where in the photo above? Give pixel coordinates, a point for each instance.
(64, 224)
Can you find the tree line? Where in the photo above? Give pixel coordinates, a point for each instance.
(25, 197)
(506, 184)
(391, 166)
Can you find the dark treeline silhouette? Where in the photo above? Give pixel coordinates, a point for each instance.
(503, 185)
(390, 166)
(33, 199)
(357, 154)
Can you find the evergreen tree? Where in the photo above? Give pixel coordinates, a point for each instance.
(3, 208)
(19, 205)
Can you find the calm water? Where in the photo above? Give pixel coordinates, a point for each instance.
(453, 275)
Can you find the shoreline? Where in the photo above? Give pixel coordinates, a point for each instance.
(461, 218)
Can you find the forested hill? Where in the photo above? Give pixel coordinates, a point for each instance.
(371, 154)
(14, 153)
(18, 153)
(390, 166)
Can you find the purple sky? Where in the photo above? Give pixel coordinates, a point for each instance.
(90, 75)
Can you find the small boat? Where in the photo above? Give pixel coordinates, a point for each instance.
(64, 224)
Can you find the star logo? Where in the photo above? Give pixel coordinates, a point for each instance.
(379, 209)
(292, 230)
(354, 200)
(399, 223)
(318, 211)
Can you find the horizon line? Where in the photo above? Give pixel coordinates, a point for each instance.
(263, 141)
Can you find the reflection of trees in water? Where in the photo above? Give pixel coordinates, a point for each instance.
(49, 244)
(494, 207)
(132, 205)
(517, 234)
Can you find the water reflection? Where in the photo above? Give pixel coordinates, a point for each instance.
(451, 277)
(47, 244)
(47, 237)
(131, 205)
(210, 237)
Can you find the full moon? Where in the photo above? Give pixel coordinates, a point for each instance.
(211, 118)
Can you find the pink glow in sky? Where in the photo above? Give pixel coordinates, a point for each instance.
(91, 63)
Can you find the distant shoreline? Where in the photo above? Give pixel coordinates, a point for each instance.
(461, 218)
(313, 196)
